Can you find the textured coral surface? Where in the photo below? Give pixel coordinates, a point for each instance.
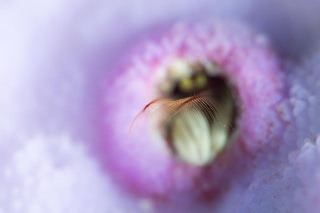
(143, 159)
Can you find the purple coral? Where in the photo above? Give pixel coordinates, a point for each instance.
(53, 57)
(306, 196)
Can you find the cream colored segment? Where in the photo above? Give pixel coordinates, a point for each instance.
(179, 69)
(164, 84)
(219, 138)
(183, 141)
(211, 68)
(201, 130)
(191, 137)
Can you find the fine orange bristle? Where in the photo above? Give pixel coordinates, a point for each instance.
(157, 100)
(171, 107)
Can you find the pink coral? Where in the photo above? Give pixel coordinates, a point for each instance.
(143, 160)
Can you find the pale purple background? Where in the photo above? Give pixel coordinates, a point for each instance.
(53, 58)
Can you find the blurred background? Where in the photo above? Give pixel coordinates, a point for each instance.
(54, 58)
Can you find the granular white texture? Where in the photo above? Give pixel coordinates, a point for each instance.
(54, 175)
(304, 100)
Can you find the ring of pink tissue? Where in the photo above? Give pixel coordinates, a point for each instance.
(142, 162)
